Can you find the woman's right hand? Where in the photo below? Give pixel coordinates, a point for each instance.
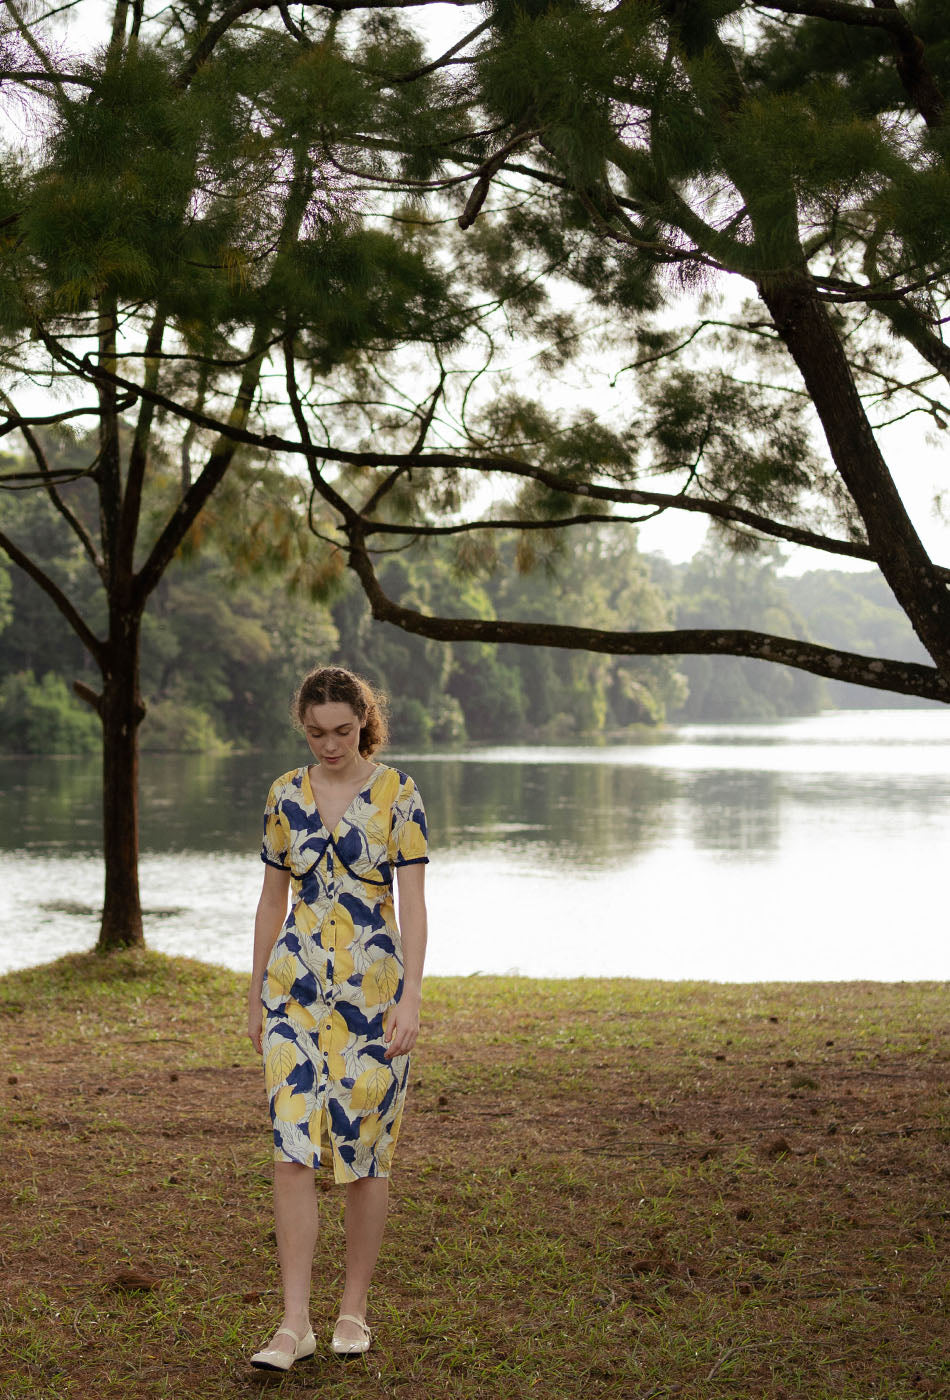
(255, 1025)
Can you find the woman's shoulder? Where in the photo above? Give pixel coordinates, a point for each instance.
(391, 782)
(288, 784)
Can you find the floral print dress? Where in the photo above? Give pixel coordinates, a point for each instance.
(334, 972)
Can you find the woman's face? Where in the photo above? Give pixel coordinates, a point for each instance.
(333, 733)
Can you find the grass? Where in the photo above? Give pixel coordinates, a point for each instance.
(604, 1189)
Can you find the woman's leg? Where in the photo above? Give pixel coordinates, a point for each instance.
(367, 1202)
(297, 1223)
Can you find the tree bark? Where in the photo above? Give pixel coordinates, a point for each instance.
(803, 324)
(121, 711)
(901, 677)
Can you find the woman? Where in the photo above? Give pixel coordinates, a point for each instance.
(335, 991)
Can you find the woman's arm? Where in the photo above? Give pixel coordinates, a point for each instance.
(271, 912)
(403, 1020)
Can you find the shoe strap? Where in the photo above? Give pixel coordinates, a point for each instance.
(288, 1332)
(360, 1321)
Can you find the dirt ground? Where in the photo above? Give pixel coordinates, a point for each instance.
(608, 1189)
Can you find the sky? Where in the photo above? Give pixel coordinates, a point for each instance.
(917, 462)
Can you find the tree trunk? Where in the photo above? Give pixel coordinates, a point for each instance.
(121, 711)
(810, 338)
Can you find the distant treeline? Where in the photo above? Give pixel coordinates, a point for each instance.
(223, 649)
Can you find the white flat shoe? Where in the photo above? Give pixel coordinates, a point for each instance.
(273, 1359)
(349, 1346)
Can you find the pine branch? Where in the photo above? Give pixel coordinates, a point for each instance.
(904, 678)
(472, 461)
(386, 486)
(437, 63)
(52, 590)
(912, 68)
(48, 476)
(213, 36)
(199, 493)
(911, 326)
(33, 77)
(138, 453)
(388, 527)
(489, 168)
(42, 420)
(312, 453)
(890, 20)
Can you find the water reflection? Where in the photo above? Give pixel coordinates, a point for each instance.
(663, 860)
(582, 815)
(734, 813)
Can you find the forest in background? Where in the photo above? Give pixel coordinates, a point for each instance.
(252, 604)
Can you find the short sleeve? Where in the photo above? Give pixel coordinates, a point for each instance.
(409, 836)
(275, 849)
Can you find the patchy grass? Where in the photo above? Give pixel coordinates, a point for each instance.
(604, 1189)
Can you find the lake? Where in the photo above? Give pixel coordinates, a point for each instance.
(810, 849)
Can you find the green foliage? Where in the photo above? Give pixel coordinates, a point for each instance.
(554, 70)
(173, 727)
(105, 215)
(351, 288)
(41, 716)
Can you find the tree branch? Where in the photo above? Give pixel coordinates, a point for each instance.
(52, 590)
(138, 453)
(443, 58)
(890, 20)
(471, 461)
(904, 678)
(386, 486)
(214, 34)
(918, 81)
(198, 494)
(48, 476)
(28, 76)
(42, 420)
(387, 527)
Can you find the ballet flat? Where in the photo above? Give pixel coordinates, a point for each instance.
(347, 1346)
(272, 1359)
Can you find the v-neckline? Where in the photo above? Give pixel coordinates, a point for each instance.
(331, 831)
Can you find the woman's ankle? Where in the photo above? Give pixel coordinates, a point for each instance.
(296, 1320)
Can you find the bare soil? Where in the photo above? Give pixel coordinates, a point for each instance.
(602, 1189)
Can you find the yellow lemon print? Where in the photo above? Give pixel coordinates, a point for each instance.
(288, 1106)
(304, 918)
(381, 981)
(412, 843)
(369, 1129)
(279, 1063)
(337, 925)
(300, 1015)
(281, 976)
(339, 1032)
(342, 965)
(276, 835)
(385, 789)
(371, 1087)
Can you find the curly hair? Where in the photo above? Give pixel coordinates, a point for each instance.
(335, 685)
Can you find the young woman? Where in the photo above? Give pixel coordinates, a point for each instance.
(335, 991)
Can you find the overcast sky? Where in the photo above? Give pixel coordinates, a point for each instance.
(919, 467)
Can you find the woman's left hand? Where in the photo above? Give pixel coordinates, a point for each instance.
(402, 1026)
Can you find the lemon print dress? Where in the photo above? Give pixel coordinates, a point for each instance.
(335, 971)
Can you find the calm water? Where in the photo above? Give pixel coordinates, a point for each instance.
(810, 849)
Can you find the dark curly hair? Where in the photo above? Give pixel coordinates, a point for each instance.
(335, 685)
